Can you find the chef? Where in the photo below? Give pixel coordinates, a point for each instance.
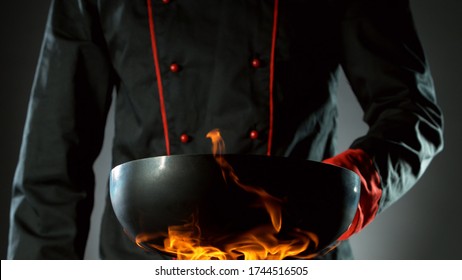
(264, 72)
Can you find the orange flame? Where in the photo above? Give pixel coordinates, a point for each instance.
(272, 204)
(260, 243)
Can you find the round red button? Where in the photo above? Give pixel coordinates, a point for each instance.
(165, 1)
(253, 134)
(184, 138)
(256, 63)
(174, 67)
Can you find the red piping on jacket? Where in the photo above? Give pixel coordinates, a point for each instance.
(161, 90)
(159, 78)
(271, 82)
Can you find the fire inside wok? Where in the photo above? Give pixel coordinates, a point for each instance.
(151, 194)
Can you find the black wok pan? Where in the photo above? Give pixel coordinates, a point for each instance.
(151, 194)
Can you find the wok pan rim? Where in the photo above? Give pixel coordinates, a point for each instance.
(235, 155)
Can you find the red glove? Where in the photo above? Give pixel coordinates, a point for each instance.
(358, 161)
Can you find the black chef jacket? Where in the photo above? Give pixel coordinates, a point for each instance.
(262, 71)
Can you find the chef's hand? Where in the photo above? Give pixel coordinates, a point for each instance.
(358, 161)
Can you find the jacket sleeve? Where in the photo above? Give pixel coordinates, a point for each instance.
(384, 62)
(53, 187)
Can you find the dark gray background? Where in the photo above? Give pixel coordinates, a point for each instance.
(424, 224)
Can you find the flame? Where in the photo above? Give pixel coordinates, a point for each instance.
(260, 243)
(271, 204)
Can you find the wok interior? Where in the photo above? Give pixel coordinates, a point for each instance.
(149, 195)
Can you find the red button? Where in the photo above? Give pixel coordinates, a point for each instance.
(184, 138)
(165, 1)
(253, 134)
(174, 67)
(256, 63)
